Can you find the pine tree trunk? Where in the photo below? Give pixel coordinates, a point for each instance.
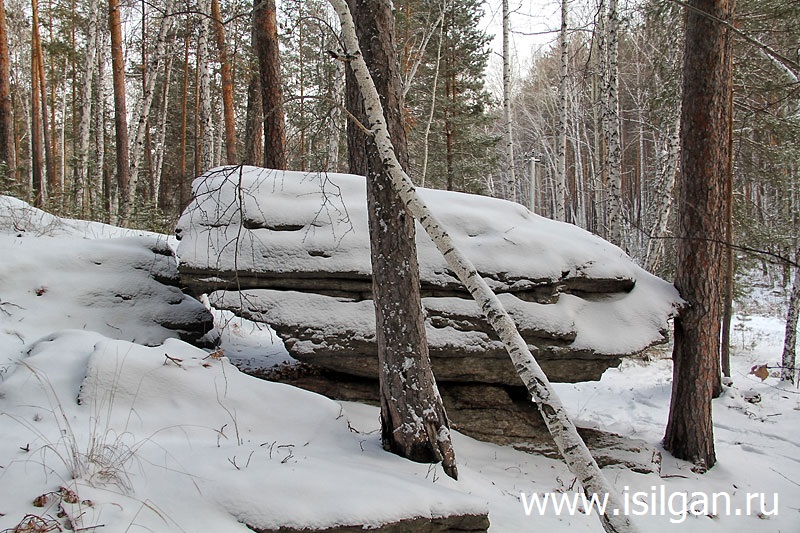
(49, 162)
(561, 152)
(413, 420)
(705, 119)
(265, 29)
(560, 426)
(253, 144)
(39, 185)
(227, 85)
(7, 150)
(120, 115)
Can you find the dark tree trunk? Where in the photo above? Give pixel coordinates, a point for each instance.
(37, 163)
(7, 153)
(253, 154)
(265, 33)
(227, 84)
(412, 414)
(701, 255)
(120, 112)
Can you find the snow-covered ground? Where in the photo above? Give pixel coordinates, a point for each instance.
(116, 435)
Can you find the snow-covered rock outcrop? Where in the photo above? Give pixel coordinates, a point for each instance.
(71, 274)
(291, 249)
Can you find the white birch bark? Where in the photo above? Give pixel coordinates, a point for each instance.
(162, 125)
(82, 162)
(429, 123)
(205, 112)
(96, 181)
(611, 126)
(789, 357)
(561, 167)
(667, 171)
(334, 129)
(510, 177)
(566, 437)
(419, 52)
(143, 109)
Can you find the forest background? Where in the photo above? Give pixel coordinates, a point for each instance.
(593, 115)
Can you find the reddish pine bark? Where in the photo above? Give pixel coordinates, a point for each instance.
(120, 111)
(702, 199)
(7, 153)
(227, 84)
(265, 33)
(412, 414)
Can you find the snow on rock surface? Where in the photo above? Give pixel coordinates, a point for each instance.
(205, 447)
(267, 239)
(55, 277)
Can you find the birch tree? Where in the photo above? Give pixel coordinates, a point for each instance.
(510, 176)
(789, 355)
(82, 156)
(205, 113)
(139, 145)
(662, 207)
(611, 120)
(566, 437)
(561, 148)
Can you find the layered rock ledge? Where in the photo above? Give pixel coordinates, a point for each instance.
(292, 250)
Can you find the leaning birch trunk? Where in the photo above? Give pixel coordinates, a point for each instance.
(138, 145)
(510, 178)
(564, 433)
(82, 163)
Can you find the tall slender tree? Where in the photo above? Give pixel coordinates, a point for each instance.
(705, 120)
(227, 84)
(510, 181)
(561, 148)
(7, 150)
(120, 114)
(413, 420)
(82, 159)
(265, 26)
